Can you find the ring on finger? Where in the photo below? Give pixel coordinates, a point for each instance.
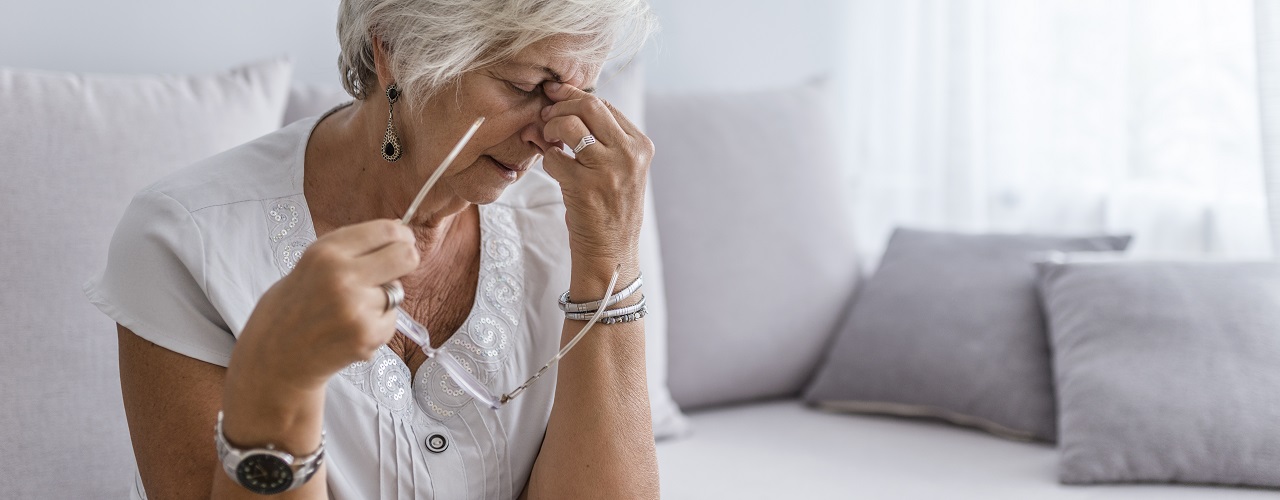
(395, 295)
(587, 140)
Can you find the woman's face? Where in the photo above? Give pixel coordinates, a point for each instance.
(509, 95)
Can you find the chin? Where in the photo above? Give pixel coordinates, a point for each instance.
(484, 181)
(489, 192)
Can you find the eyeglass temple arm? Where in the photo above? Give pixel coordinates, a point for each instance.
(419, 335)
(415, 331)
(613, 281)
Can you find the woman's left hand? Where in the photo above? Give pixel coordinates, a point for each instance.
(604, 185)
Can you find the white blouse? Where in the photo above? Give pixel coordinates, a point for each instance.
(195, 251)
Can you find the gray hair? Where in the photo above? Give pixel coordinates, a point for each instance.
(432, 42)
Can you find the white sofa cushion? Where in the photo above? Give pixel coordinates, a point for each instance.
(785, 450)
(75, 148)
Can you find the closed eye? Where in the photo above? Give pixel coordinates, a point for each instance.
(525, 89)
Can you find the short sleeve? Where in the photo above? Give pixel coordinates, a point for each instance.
(154, 285)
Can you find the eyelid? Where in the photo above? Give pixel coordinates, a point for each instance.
(521, 86)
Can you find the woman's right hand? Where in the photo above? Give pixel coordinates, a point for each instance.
(331, 310)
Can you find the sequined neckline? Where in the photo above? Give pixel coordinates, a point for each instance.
(483, 344)
(387, 377)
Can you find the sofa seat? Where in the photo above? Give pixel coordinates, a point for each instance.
(785, 450)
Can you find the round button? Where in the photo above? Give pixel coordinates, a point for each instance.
(436, 443)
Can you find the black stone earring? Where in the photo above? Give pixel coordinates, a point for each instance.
(391, 149)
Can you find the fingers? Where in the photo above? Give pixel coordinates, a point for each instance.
(563, 92)
(369, 253)
(557, 164)
(567, 129)
(359, 239)
(387, 264)
(593, 112)
(624, 122)
(383, 302)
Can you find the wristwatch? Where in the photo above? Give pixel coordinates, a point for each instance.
(266, 471)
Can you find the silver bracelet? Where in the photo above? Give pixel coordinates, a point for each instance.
(610, 313)
(627, 318)
(589, 307)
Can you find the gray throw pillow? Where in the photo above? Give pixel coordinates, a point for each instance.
(1166, 372)
(950, 327)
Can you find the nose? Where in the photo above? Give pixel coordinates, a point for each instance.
(532, 131)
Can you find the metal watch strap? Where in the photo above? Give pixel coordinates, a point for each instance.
(303, 467)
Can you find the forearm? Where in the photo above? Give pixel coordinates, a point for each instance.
(259, 411)
(599, 440)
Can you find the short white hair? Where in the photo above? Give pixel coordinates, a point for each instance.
(432, 42)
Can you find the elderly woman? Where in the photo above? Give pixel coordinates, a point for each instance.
(255, 292)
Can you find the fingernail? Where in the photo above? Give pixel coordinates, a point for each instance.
(553, 86)
(546, 111)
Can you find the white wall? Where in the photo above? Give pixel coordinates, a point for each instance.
(705, 44)
(745, 44)
(173, 36)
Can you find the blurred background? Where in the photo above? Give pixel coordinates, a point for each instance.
(1155, 118)
(993, 115)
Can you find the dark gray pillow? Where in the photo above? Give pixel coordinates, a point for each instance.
(1166, 372)
(950, 327)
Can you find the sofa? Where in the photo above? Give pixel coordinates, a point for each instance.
(727, 387)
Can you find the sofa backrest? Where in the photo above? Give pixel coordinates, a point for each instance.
(73, 150)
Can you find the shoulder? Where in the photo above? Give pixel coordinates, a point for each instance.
(265, 168)
(177, 216)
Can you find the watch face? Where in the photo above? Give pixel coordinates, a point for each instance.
(264, 474)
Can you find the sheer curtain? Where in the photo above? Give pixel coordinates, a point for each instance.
(1268, 25)
(1073, 116)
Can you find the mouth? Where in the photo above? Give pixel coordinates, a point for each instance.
(514, 167)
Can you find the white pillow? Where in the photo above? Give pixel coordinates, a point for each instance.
(75, 149)
(757, 239)
(307, 100)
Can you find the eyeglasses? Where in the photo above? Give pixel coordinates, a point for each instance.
(465, 379)
(418, 333)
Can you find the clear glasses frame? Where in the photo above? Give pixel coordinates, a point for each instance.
(468, 381)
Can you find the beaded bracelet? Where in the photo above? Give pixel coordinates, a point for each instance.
(590, 307)
(626, 318)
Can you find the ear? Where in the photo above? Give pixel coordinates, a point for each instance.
(382, 63)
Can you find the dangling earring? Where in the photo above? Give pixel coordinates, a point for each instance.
(391, 150)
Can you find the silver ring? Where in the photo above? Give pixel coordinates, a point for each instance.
(395, 295)
(587, 140)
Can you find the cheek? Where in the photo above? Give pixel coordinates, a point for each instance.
(506, 114)
(511, 122)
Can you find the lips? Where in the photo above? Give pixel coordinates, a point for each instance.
(514, 167)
